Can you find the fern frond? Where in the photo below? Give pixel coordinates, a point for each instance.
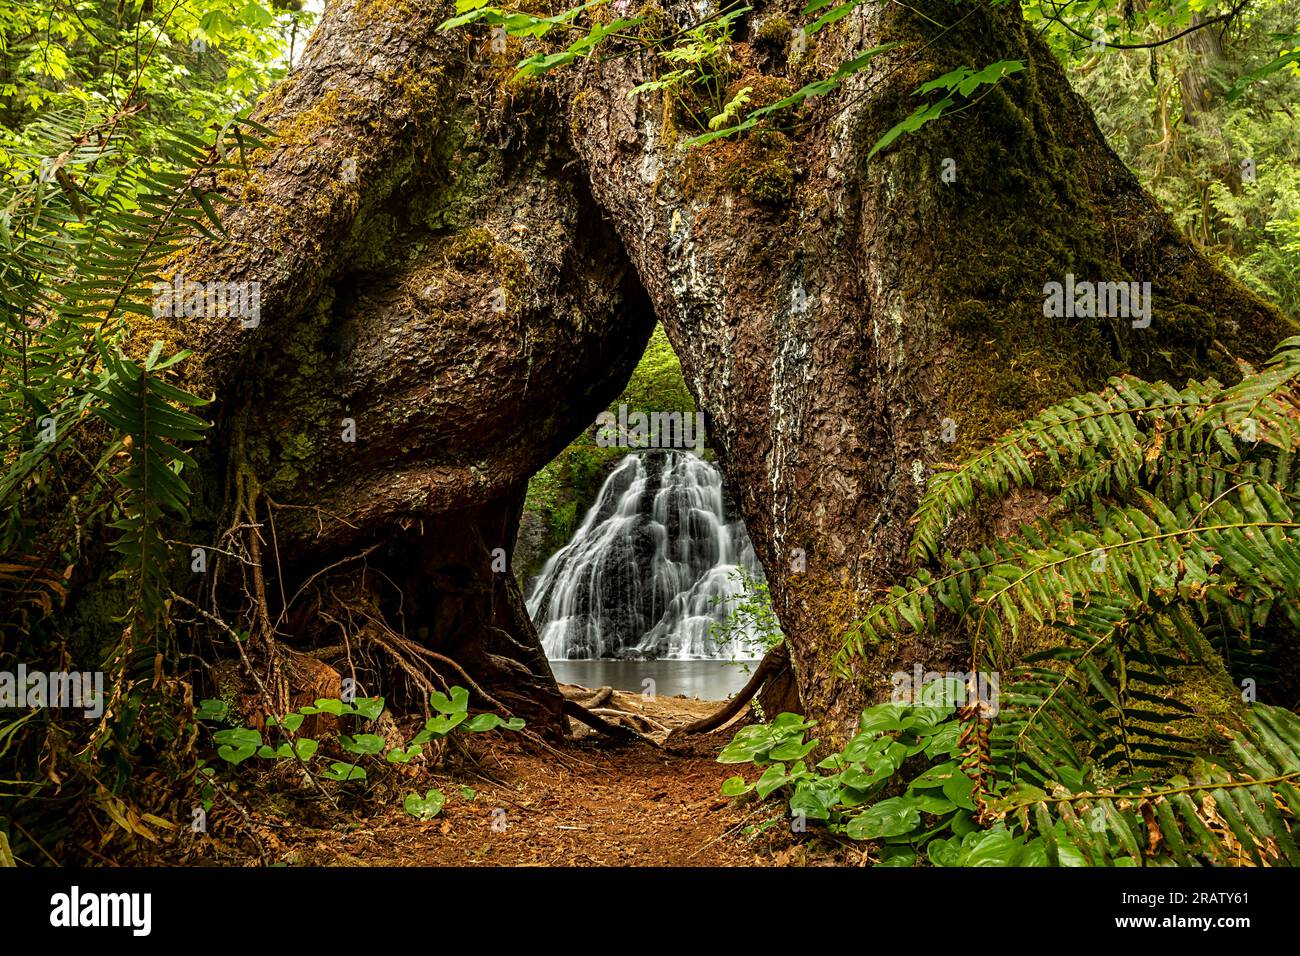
(1241, 808)
(151, 413)
(1111, 441)
(1241, 547)
(1105, 426)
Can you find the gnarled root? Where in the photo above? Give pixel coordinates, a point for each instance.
(775, 663)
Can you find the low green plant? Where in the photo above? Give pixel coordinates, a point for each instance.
(237, 744)
(751, 621)
(96, 441)
(703, 68)
(908, 780)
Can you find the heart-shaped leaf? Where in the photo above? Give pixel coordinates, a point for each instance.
(426, 807)
(362, 744)
(404, 754)
(343, 772)
(481, 722)
(773, 779)
(885, 717)
(212, 710)
(442, 725)
(458, 703)
(805, 802)
(748, 743)
(369, 707)
(888, 818)
(792, 749)
(735, 786)
(237, 744)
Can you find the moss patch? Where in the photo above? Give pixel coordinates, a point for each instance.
(757, 166)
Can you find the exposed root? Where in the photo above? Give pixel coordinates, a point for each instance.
(774, 661)
(647, 724)
(600, 725)
(586, 697)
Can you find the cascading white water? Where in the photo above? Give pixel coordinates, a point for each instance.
(649, 569)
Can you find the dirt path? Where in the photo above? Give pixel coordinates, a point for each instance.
(591, 802)
(632, 805)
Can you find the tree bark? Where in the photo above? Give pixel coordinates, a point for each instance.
(832, 328)
(443, 308)
(832, 314)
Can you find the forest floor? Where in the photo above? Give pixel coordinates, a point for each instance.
(591, 801)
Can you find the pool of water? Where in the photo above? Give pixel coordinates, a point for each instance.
(703, 680)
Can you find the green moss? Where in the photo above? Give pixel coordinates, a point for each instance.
(772, 37)
(298, 446)
(763, 91)
(771, 184)
(304, 126)
(655, 24)
(472, 249)
(761, 170)
(374, 10)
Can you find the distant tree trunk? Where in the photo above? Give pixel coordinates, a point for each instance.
(1205, 56)
(833, 315)
(1201, 89)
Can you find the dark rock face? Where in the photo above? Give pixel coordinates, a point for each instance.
(532, 547)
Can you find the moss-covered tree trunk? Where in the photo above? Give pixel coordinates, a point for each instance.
(443, 265)
(848, 324)
(442, 306)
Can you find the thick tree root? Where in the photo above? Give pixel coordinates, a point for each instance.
(587, 697)
(647, 725)
(600, 725)
(773, 663)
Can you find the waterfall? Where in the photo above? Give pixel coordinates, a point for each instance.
(650, 568)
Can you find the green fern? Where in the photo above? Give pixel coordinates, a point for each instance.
(1110, 441)
(86, 231)
(150, 416)
(1188, 508)
(1238, 809)
(1170, 537)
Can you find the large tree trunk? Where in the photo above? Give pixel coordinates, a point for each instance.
(832, 327)
(831, 313)
(442, 309)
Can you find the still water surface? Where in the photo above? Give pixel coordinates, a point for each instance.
(705, 680)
